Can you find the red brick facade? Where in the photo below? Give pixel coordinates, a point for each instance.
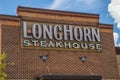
(62, 62)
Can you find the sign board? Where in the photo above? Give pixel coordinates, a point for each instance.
(36, 35)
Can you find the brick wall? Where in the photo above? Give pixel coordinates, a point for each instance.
(28, 65)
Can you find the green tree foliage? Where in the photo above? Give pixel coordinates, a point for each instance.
(3, 65)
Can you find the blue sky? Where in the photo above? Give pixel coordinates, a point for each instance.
(87, 6)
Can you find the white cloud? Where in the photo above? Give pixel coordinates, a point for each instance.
(114, 9)
(68, 4)
(116, 36)
(87, 2)
(58, 3)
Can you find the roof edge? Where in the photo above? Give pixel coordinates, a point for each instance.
(58, 12)
(9, 17)
(117, 50)
(106, 26)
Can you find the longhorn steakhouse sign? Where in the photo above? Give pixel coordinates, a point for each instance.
(38, 35)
